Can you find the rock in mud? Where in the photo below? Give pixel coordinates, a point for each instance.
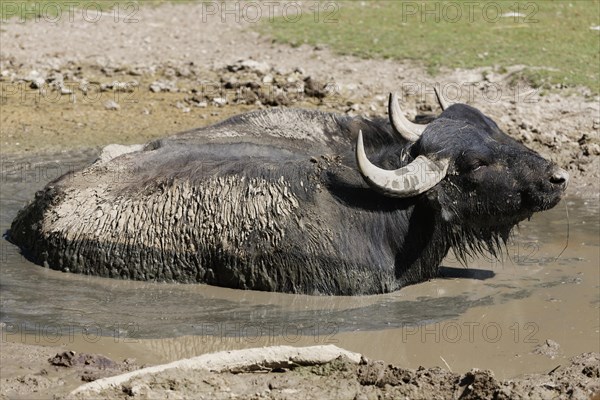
(71, 359)
(163, 86)
(478, 384)
(111, 105)
(315, 88)
(37, 83)
(250, 65)
(549, 348)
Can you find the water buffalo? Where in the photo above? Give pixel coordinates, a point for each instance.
(294, 201)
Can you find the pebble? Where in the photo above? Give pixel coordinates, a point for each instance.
(549, 348)
(526, 137)
(111, 105)
(591, 149)
(33, 74)
(163, 86)
(219, 101)
(37, 83)
(257, 66)
(282, 71)
(124, 86)
(251, 65)
(182, 107)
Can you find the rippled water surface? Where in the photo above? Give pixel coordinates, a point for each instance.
(546, 287)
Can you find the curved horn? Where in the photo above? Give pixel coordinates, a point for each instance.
(409, 130)
(441, 100)
(415, 178)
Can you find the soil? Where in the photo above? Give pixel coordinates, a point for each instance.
(52, 370)
(41, 372)
(342, 379)
(77, 84)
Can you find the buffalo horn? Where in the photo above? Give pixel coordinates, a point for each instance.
(413, 179)
(408, 130)
(443, 103)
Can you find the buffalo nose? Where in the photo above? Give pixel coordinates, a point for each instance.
(560, 177)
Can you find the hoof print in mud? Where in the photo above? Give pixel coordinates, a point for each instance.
(294, 201)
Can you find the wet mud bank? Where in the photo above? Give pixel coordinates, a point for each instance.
(281, 372)
(343, 378)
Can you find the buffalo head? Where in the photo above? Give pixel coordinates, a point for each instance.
(480, 180)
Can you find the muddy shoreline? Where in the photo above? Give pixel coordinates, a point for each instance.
(169, 73)
(52, 369)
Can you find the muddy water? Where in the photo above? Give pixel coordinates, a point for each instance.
(491, 315)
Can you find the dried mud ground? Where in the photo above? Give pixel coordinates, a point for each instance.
(75, 84)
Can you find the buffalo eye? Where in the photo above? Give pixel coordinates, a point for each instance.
(472, 164)
(477, 164)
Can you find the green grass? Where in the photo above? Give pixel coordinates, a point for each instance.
(552, 38)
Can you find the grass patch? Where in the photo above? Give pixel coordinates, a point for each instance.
(552, 37)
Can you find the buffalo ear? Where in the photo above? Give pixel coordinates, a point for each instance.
(433, 197)
(438, 200)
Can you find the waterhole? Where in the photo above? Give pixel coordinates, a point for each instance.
(491, 314)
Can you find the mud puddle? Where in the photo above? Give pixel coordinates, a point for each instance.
(495, 314)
